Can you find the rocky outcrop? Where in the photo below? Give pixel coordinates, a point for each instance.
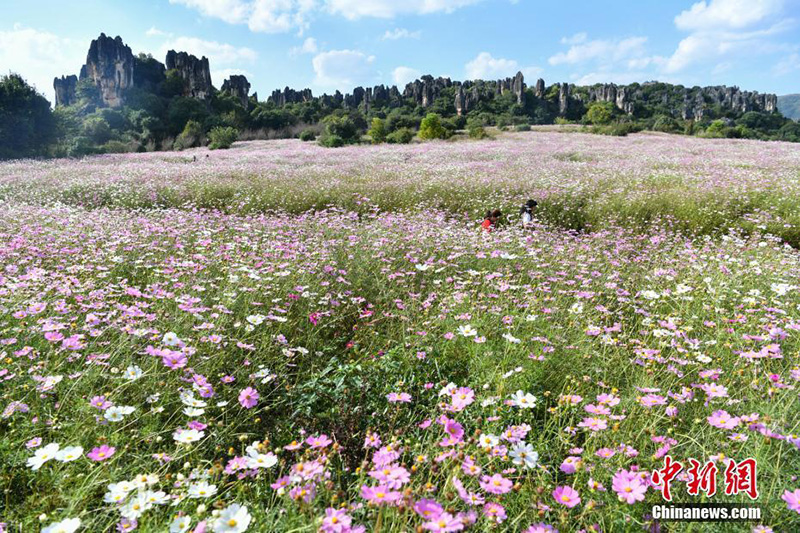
(109, 64)
(65, 90)
(609, 92)
(540, 88)
(563, 98)
(195, 72)
(426, 89)
(238, 87)
(290, 96)
(515, 85)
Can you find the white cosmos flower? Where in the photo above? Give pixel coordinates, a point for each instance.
(133, 373)
(42, 455)
(232, 519)
(187, 436)
(467, 330)
(193, 411)
(256, 320)
(69, 525)
(261, 460)
(422, 267)
(187, 397)
(156, 497)
(117, 413)
(650, 295)
(488, 440)
(171, 339)
(135, 507)
(180, 525)
(524, 455)
(70, 453)
(511, 338)
(523, 400)
(201, 489)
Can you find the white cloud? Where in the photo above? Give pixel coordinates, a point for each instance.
(602, 51)
(155, 32)
(40, 56)
(342, 69)
(309, 46)
(726, 14)
(231, 11)
(353, 9)
(280, 16)
(486, 67)
(403, 75)
(722, 29)
(578, 38)
(400, 33)
(217, 53)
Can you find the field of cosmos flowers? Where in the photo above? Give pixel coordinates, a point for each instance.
(282, 337)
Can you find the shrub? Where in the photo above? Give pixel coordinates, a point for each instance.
(331, 141)
(190, 137)
(478, 132)
(666, 124)
(600, 113)
(222, 137)
(523, 127)
(307, 135)
(401, 136)
(431, 128)
(339, 130)
(377, 131)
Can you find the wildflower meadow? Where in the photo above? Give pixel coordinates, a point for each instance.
(282, 337)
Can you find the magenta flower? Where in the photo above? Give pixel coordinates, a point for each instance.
(322, 441)
(594, 424)
(629, 487)
(792, 500)
(567, 496)
(494, 512)
(336, 521)
(496, 484)
(101, 453)
(173, 360)
(100, 402)
(541, 527)
(248, 398)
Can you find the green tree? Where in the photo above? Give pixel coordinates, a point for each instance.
(27, 126)
(377, 131)
(190, 137)
(431, 128)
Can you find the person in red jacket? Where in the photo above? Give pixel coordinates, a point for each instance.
(491, 220)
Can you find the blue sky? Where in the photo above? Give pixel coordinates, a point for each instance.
(337, 44)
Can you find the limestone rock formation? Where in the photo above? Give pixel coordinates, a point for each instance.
(426, 89)
(290, 96)
(540, 88)
(195, 72)
(65, 90)
(238, 87)
(563, 98)
(109, 64)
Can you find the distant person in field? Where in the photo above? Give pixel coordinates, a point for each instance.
(490, 222)
(526, 213)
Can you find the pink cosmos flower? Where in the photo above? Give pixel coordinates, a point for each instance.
(101, 453)
(34, 443)
(444, 523)
(429, 509)
(173, 360)
(461, 398)
(380, 495)
(496, 484)
(335, 521)
(494, 512)
(100, 402)
(571, 464)
(402, 397)
(628, 487)
(792, 500)
(567, 496)
(322, 441)
(721, 419)
(594, 424)
(248, 398)
(541, 527)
